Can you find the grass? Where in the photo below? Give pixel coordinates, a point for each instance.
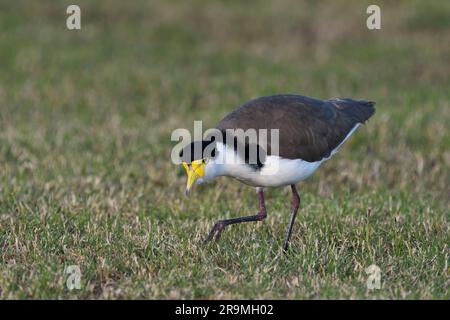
(85, 171)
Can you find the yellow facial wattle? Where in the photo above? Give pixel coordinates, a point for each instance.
(194, 170)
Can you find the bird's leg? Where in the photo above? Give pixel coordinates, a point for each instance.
(221, 224)
(295, 203)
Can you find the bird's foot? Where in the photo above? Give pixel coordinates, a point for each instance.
(285, 247)
(217, 230)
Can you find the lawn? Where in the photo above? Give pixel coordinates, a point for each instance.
(86, 177)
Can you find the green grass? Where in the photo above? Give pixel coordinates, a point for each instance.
(85, 171)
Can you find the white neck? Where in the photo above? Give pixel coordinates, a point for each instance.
(222, 164)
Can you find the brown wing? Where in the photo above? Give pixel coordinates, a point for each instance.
(309, 129)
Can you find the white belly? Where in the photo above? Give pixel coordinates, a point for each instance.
(276, 172)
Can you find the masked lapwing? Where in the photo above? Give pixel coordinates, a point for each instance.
(298, 134)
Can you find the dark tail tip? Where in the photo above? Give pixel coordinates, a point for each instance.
(368, 111)
(358, 110)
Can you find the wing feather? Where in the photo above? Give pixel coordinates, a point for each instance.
(309, 129)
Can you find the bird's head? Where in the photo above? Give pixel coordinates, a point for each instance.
(194, 158)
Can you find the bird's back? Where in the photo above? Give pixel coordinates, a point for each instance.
(309, 129)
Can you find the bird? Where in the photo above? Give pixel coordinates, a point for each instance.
(308, 132)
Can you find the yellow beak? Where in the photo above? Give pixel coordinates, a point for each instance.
(194, 170)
